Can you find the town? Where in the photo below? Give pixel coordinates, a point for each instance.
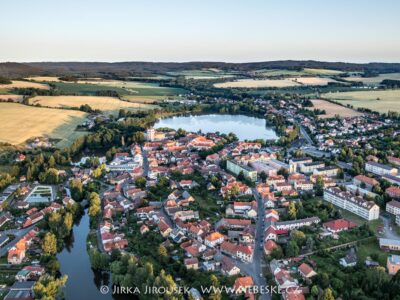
(177, 208)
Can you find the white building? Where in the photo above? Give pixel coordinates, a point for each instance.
(393, 207)
(380, 169)
(352, 203)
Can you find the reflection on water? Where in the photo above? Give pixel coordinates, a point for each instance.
(245, 128)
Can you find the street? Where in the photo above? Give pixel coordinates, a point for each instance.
(388, 233)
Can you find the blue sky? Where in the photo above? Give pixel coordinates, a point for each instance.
(199, 30)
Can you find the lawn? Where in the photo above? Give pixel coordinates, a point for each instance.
(378, 100)
(106, 104)
(333, 109)
(21, 122)
(358, 220)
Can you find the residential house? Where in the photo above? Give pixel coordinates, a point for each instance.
(393, 264)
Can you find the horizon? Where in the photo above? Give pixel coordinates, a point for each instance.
(211, 31)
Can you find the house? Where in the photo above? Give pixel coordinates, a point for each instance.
(4, 218)
(143, 229)
(228, 267)
(393, 264)
(214, 239)
(306, 271)
(16, 254)
(245, 253)
(350, 260)
(394, 160)
(393, 192)
(362, 180)
(191, 263)
(393, 207)
(21, 290)
(271, 234)
(339, 225)
(164, 228)
(269, 246)
(34, 218)
(389, 244)
(243, 284)
(295, 224)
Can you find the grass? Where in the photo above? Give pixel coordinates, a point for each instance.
(275, 83)
(106, 104)
(306, 71)
(333, 109)
(371, 248)
(204, 74)
(21, 122)
(378, 100)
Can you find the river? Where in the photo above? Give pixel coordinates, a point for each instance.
(74, 260)
(245, 127)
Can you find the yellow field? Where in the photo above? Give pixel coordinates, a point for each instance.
(374, 81)
(322, 71)
(275, 83)
(105, 104)
(333, 109)
(14, 98)
(44, 78)
(20, 122)
(380, 101)
(24, 84)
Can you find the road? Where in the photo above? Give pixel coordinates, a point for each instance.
(304, 133)
(18, 233)
(388, 233)
(145, 163)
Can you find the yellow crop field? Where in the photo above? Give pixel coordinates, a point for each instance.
(44, 78)
(333, 109)
(275, 83)
(24, 84)
(380, 101)
(21, 122)
(14, 98)
(105, 104)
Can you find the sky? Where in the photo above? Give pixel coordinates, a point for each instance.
(199, 30)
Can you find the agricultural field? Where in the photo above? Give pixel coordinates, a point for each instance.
(21, 122)
(380, 101)
(44, 78)
(143, 99)
(11, 97)
(106, 104)
(135, 88)
(374, 81)
(204, 74)
(304, 72)
(24, 84)
(275, 83)
(333, 109)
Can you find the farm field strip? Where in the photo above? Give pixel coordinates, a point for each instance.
(21, 122)
(333, 109)
(277, 83)
(24, 84)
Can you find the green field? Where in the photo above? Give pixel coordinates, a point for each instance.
(134, 88)
(204, 74)
(304, 72)
(374, 81)
(380, 101)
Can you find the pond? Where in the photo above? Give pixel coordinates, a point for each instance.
(83, 282)
(245, 127)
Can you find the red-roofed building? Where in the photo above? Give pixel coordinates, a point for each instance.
(393, 192)
(339, 225)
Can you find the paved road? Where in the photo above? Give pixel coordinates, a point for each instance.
(304, 133)
(145, 163)
(18, 233)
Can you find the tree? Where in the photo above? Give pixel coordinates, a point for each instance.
(52, 161)
(327, 295)
(319, 186)
(163, 253)
(140, 182)
(76, 189)
(48, 287)
(292, 210)
(292, 249)
(215, 292)
(68, 221)
(49, 245)
(94, 208)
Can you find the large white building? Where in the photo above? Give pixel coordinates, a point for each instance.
(352, 203)
(380, 169)
(393, 207)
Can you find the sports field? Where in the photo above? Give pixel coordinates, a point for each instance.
(21, 122)
(105, 104)
(381, 101)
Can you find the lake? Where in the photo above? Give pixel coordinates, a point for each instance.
(74, 260)
(245, 127)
